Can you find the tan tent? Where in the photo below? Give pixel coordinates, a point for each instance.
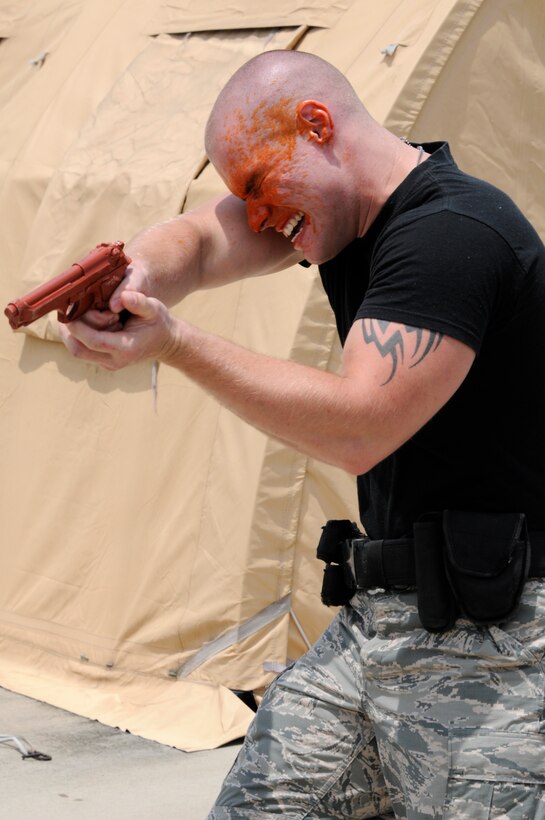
(156, 553)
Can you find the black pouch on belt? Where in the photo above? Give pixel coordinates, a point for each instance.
(337, 587)
(437, 606)
(487, 557)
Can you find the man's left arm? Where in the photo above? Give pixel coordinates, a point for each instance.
(394, 378)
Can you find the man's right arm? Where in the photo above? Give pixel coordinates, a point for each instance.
(206, 247)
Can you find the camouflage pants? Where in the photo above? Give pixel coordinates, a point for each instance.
(384, 719)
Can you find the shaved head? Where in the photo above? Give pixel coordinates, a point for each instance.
(275, 79)
(290, 137)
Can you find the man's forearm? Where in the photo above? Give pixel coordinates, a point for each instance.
(168, 256)
(353, 420)
(309, 409)
(204, 248)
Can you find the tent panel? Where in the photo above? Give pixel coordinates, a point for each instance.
(243, 664)
(11, 14)
(189, 716)
(489, 102)
(41, 117)
(377, 75)
(35, 34)
(42, 105)
(177, 16)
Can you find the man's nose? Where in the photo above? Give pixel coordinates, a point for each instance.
(257, 215)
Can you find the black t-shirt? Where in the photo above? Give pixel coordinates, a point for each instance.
(452, 254)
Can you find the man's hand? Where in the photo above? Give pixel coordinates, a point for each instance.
(151, 332)
(136, 279)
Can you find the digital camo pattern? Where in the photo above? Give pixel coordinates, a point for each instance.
(383, 719)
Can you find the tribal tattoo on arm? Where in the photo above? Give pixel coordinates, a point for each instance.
(390, 341)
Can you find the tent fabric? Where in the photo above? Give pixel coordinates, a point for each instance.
(212, 15)
(158, 553)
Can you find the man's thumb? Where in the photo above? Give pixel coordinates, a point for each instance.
(138, 304)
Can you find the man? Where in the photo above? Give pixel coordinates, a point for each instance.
(438, 287)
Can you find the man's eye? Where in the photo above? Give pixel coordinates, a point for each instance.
(252, 185)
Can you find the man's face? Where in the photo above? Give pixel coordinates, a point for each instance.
(282, 177)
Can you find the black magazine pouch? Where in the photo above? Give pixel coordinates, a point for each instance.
(437, 607)
(487, 557)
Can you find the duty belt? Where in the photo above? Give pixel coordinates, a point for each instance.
(356, 563)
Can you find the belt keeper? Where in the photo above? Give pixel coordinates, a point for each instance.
(349, 564)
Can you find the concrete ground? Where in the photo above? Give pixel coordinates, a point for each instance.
(99, 773)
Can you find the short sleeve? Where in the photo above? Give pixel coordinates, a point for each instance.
(443, 271)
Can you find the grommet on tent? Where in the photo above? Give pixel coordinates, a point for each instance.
(39, 59)
(391, 49)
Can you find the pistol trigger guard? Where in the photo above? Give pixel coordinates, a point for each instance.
(70, 313)
(76, 309)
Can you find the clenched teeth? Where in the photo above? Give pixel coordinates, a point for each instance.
(290, 228)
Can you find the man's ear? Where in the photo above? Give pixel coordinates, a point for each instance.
(314, 121)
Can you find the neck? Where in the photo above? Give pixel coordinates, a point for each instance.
(393, 162)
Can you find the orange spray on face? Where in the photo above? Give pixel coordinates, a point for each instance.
(259, 141)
